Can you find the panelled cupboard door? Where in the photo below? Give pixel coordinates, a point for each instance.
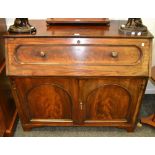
(46, 100)
(110, 100)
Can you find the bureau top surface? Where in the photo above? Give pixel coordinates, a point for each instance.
(76, 31)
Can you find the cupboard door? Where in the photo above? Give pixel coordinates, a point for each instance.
(110, 99)
(46, 99)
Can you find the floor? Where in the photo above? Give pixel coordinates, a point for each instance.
(148, 107)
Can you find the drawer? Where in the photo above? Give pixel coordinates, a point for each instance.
(94, 55)
(78, 57)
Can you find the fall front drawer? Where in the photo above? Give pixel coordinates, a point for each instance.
(77, 57)
(93, 55)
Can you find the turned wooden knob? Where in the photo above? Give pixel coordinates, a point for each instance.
(114, 54)
(42, 54)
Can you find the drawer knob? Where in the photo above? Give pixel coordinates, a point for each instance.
(42, 54)
(114, 54)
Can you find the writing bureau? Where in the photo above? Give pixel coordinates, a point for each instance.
(78, 75)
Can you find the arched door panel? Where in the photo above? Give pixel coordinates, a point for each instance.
(46, 100)
(49, 101)
(107, 102)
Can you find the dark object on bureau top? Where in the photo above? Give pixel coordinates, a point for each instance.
(22, 25)
(134, 26)
(78, 21)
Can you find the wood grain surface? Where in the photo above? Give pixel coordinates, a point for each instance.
(78, 57)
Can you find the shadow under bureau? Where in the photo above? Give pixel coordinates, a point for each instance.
(95, 78)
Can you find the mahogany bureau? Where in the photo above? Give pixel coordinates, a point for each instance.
(78, 75)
